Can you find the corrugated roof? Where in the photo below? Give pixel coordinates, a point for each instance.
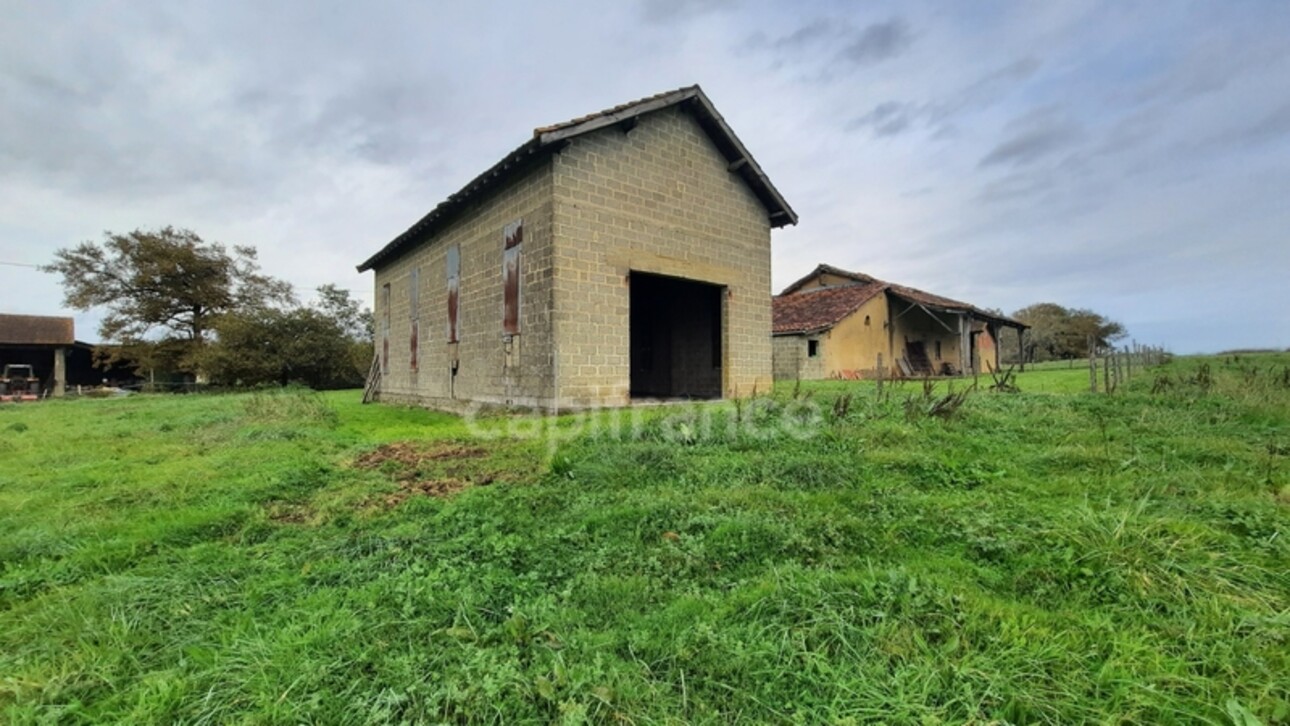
(806, 311)
(36, 330)
(547, 139)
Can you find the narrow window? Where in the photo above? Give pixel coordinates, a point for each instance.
(512, 242)
(454, 301)
(414, 313)
(812, 348)
(938, 350)
(385, 328)
(866, 321)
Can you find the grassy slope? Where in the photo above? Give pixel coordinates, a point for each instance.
(1050, 556)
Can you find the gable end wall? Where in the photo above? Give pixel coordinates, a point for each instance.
(658, 199)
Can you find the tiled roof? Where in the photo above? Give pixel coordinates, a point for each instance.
(35, 330)
(828, 270)
(804, 311)
(548, 139)
(812, 310)
(611, 111)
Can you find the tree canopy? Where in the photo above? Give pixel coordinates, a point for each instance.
(163, 284)
(324, 345)
(176, 302)
(1059, 333)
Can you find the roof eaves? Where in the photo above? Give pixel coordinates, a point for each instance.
(455, 202)
(740, 159)
(802, 331)
(554, 136)
(822, 269)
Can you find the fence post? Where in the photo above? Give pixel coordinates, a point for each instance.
(1128, 362)
(1092, 367)
(881, 373)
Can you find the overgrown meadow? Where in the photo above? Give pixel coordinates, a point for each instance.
(1046, 556)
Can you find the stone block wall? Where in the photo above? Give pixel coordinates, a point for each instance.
(657, 199)
(490, 367)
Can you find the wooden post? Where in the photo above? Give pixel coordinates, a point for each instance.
(1128, 363)
(1106, 373)
(881, 373)
(965, 345)
(1021, 349)
(1119, 373)
(60, 372)
(1092, 367)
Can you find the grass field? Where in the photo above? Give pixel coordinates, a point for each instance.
(1049, 556)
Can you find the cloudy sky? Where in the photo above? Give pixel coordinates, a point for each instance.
(1129, 157)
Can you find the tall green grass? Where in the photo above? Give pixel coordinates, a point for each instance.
(1050, 556)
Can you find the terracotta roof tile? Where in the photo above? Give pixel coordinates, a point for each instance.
(35, 330)
(804, 312)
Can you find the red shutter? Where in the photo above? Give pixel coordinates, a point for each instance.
(454, 304)
(512, 243)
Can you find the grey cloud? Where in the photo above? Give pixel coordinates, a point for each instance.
(986, 91)
(821, 32)
(878, 42)
(1033, 137)
(886, 119)
(812, 32)
(895, 117)
(835, 41)
(666, 11)
(1274, 126)
(317, 133)
(1017, 186)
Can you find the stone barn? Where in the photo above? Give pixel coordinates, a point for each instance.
(618, 257)
(834, 324)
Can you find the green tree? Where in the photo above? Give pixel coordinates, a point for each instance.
(1060, 333)
(164, 284)
(355, 321)
(326, 345)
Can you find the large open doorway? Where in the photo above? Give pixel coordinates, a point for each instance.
(676, 332)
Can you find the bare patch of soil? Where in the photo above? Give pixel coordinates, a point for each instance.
(412, 454)
(288, 512)
(441, 488)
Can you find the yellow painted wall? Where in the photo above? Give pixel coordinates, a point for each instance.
(851, 348)
(848, 350)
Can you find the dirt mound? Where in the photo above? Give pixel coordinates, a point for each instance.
(412, 454)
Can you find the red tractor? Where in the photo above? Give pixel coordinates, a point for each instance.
(19, 383)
